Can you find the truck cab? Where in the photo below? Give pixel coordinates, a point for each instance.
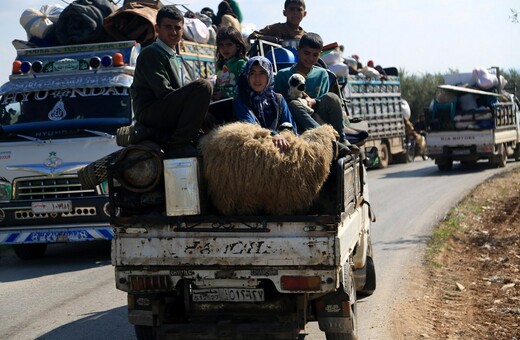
(60, 111)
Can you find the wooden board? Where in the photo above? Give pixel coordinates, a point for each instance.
(468, 90)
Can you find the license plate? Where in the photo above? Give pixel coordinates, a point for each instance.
(461, 152)
(51, 207)
(228, 295)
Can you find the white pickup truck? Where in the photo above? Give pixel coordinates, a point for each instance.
(471, 124)
(209, 276)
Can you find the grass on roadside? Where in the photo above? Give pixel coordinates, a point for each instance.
(469, 212)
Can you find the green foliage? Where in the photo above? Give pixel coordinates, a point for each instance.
(420, 90)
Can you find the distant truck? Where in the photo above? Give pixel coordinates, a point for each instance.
(379, 104)
(467, 124)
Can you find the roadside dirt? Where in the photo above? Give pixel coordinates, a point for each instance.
(470, 289)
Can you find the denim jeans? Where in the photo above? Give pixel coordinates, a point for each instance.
(329, 108)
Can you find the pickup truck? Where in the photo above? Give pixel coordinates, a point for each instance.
(207, 275)
(466, 123)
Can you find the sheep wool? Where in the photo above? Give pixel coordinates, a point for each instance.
(246, 174)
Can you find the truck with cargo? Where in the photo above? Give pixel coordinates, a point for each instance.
(467, 123)
(60, 111)
(193, 272)
(378, 103)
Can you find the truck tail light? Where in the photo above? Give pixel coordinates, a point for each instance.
(301, 283)
(118, 59)
(150, 283)
(17, 65)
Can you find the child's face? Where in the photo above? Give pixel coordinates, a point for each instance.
(227, 49)
(307, 56)
(295, 14)
(257, 78)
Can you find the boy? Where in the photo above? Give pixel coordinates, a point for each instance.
(294, 11)
(327, 106)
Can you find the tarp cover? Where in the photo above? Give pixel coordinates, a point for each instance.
(133, 21)
(81, 22)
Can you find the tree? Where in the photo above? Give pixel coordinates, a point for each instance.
(514, 16)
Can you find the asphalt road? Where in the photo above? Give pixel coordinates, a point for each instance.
(71, 294)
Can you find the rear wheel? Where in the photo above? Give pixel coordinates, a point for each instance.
(384, 156)
(445, 164)
(370, 278)
(30, 251)
(143, 332)
(516, 154)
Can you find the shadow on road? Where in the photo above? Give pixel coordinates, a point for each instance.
(59, 258)
(402, 243)
(88, 327)
(433, 171)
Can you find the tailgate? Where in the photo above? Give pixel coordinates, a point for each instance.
(288, 244)
(459, 138)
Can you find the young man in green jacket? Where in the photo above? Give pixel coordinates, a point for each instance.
(160, 101)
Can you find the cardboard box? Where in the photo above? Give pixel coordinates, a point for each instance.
(181, 181)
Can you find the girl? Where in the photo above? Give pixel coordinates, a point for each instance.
(257, 103)
(231, 57)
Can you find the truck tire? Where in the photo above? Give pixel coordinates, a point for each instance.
(351, 291)
(384, 156)
(370, 278)
(143, 332)
(516, 154)
(445, 165)
(30, 251)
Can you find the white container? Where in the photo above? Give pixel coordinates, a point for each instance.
(181, 181)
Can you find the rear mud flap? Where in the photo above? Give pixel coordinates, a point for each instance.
(333, 312)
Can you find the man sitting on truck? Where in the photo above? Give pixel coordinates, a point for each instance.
(160, 101)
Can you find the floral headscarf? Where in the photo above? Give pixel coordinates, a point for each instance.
(264, 105)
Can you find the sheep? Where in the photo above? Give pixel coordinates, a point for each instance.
(247, 175)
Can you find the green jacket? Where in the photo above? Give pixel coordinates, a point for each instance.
(156, 74)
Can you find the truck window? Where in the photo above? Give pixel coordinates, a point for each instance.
(66, 110)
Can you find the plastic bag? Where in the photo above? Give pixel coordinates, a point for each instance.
(40, 23)
(195, 30)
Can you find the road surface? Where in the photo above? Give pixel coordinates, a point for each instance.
(71, 294)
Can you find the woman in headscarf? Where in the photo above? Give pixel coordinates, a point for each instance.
(257, 103)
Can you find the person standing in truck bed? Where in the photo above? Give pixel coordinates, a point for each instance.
(160, 101)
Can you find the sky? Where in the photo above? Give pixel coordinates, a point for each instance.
(419, 36)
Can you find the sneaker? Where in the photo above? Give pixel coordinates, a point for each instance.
(343, 149)
(132, 134)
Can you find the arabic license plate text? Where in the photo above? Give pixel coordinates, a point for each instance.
(51, 207)
(461, 152)
(228, 295)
